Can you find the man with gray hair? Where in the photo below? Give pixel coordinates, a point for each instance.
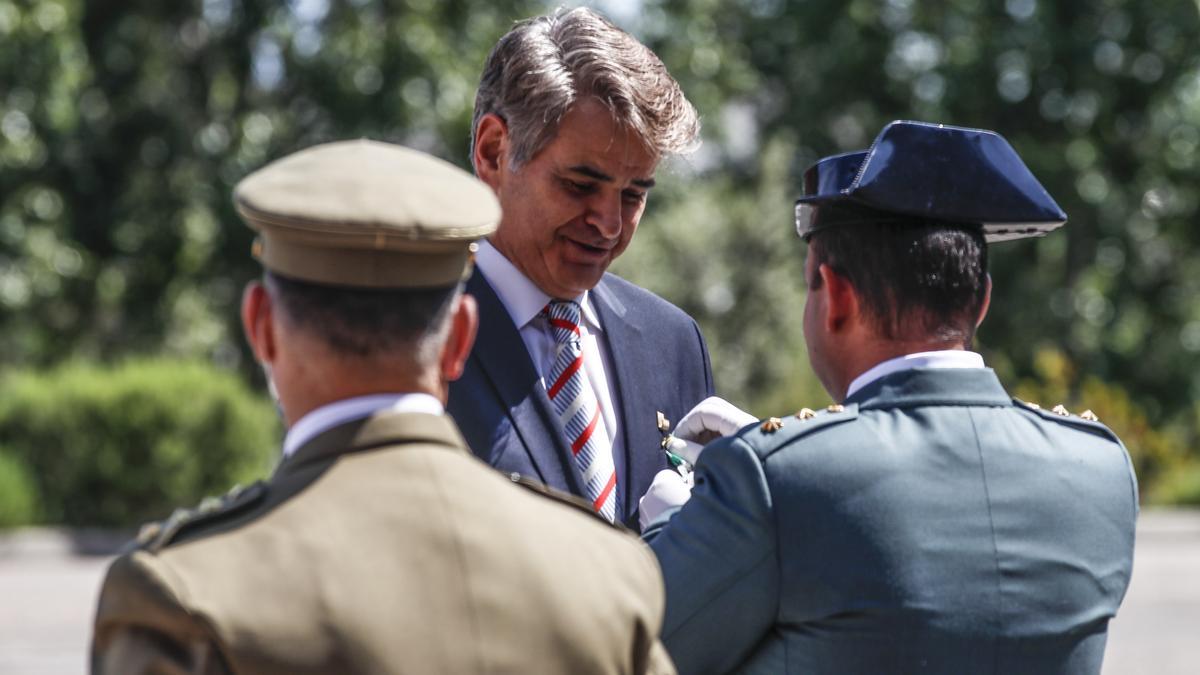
(576, 371)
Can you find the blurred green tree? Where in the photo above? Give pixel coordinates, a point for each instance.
(1101, 98)
(125, 125)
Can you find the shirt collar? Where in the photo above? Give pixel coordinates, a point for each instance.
(946, 358)
(339, 412)
(523, 300)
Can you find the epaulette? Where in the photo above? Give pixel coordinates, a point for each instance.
(1086, 420)
(773, 433)
(153, 537)
(574, 501)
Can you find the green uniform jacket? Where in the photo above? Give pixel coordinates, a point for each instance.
(932, 525)
(383, 546)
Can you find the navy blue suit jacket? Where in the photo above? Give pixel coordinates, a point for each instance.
(932, 525)
(500, 404)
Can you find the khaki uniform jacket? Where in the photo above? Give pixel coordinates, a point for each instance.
(383, 546)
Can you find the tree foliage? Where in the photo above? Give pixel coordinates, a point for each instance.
(1101, 98)
(125, 125)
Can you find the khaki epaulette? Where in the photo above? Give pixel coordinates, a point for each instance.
(154, 536)
(574, 501)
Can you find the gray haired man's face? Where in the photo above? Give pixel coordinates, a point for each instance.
(574, 207)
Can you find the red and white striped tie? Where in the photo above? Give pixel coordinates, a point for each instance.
(578, 410)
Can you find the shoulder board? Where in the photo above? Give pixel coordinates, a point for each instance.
(774, 432)
(154, 536)
(557, 495)
(1060, 415)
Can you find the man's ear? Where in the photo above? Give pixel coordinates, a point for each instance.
(987, 300)
(258, 321)
(463, 325)
(841, 301)
(491, 149)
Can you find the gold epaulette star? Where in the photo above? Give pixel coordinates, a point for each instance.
(771, 425)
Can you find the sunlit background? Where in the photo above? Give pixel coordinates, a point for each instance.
(125, 124)
(125, 388)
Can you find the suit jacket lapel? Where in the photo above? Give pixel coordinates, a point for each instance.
(503, 358)
(631, 366)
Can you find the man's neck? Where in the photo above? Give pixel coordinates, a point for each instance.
(941, 359)
(298, 401)
(521, 297)
(333, 414)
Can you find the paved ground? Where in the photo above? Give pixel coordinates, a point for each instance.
(48, 592)
(1158, 628)
(47, 595)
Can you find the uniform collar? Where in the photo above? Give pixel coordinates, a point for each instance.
(932, 386)
(346, 410)
(945, 358)
(384, 428)
(522, 298)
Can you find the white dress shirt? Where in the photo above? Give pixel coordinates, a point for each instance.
(329, 416)
(946, 358)
(524, 302)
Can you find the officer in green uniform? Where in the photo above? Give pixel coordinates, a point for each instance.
(927, 522)
(379, 544)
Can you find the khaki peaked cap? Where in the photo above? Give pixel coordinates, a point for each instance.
(366, 214)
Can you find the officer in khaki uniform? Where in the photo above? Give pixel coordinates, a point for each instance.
(379, 544)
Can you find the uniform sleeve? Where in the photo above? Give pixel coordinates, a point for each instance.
(142, 626)
(719, 562)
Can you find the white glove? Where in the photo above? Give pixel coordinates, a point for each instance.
(668, 491)
(710, 419)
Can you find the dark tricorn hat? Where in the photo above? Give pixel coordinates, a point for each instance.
(920, 172)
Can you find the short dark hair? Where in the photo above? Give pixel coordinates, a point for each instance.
(364, 323)
(916, 281)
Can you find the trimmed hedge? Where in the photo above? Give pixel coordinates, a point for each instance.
(119, 445)
(1182, 486)
(18, 501)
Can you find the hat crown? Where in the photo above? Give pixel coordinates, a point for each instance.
(370, 187)
(365, 213)
(918, 171)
